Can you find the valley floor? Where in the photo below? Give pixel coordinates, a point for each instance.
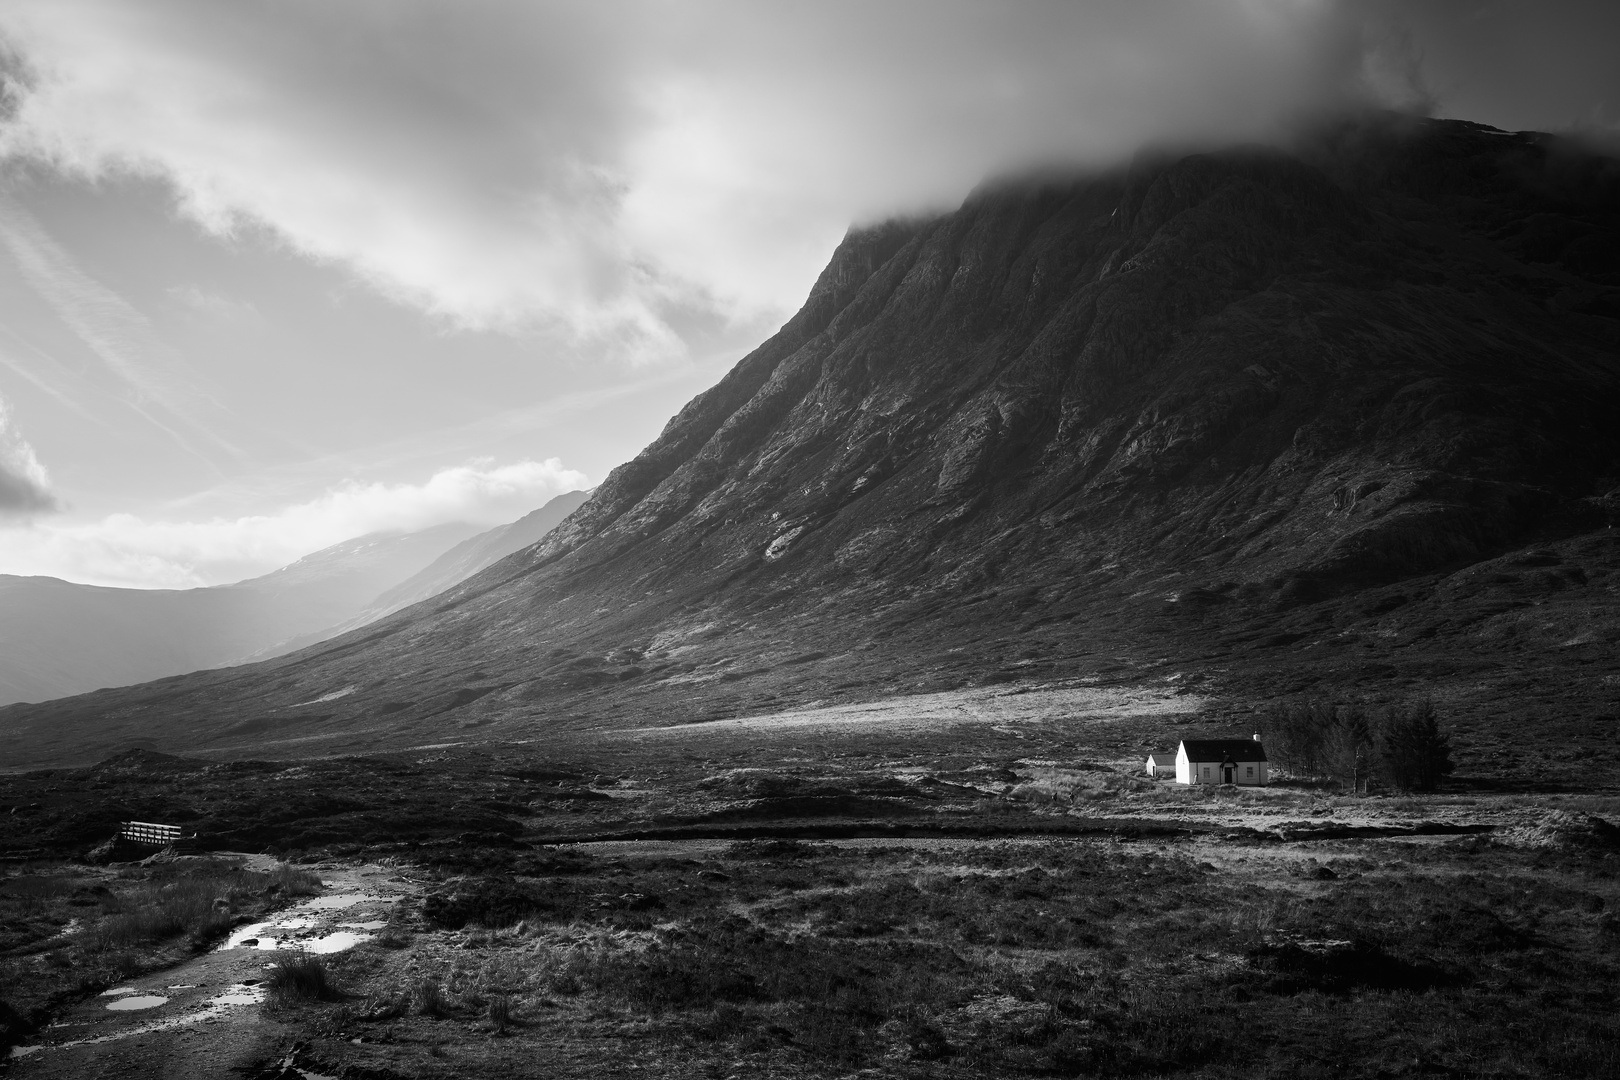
(1000, 893)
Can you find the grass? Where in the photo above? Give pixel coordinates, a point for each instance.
(500, 1014)
(299, 977)
(155, 913)
(1211, 953)
(289, 880)
(68, 931)
(1051, 958)
(430, 1000)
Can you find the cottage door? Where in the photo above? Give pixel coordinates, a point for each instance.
(1228, 774)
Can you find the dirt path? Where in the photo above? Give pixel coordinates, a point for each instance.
(201, 1019)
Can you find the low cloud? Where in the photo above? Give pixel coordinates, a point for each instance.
(25, 487)
(124, 549)
(608, 170)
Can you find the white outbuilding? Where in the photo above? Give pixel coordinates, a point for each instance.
(1222, 761)
(1162, 763)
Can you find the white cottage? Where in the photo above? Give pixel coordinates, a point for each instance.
(1222, 761)
(1162, 763)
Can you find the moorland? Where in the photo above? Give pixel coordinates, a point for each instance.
(980, 884)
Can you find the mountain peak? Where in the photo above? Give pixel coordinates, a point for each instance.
(1128, 412)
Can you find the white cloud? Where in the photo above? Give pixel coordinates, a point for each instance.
(125, 549)
(25, 487)
(596, 168)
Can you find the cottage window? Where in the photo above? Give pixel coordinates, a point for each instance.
(1249, 771)
(1206, 772)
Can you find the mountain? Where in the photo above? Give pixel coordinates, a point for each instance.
(59, 637)
(460, 563)
(1266, 421)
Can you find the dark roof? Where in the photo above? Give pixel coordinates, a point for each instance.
(1221, 749)
(1167, 757)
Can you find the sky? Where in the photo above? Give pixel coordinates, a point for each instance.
(274, 273)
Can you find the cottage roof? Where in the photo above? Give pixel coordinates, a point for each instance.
(1221, 749)
(1163, 757)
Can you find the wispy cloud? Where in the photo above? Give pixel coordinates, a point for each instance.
(215, 307)
(125, 549)
(158, 386)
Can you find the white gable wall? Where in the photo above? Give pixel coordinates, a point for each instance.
(1249, 773)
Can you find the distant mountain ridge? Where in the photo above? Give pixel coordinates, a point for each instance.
(474, 554)
(59, 637)
(454, 566)
(1342, 414)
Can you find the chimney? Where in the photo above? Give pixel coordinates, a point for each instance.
(1257, 736)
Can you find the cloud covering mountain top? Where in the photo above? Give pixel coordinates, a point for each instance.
(608, 170)
(252, 255)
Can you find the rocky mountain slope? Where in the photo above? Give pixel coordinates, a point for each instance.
(1346, 414)
(59, 637)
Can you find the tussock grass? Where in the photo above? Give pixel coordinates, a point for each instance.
(299, 978)
(500, 1014)
(291, 881)
(430, 1000)
(155, 913)
(35, 893)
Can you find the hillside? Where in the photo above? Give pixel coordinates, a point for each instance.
(1263, 421)
(59, 637)
(466, 559)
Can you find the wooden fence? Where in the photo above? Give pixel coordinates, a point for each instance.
(146, 832)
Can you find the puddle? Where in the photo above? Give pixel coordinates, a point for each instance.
(337, 941)
(373, 924)
(254, 937)
(344, 900)
(214, 1009)
(240, 994)
(254, 933)
(119, 990)
(140, 1001)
